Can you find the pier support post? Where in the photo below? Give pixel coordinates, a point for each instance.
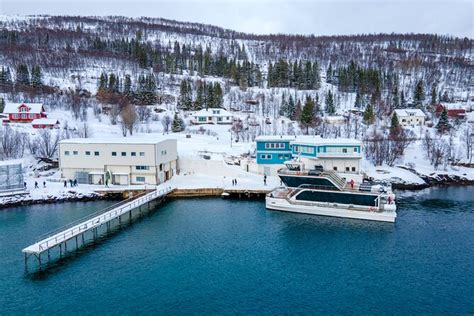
(49, 256)
(77, 245)
(26, 262)
(60, 250)
(39, 260)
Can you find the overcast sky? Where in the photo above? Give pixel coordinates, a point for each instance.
(320, 17)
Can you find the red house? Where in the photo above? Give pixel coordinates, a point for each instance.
(454, 113)
(24, 112)
(45, 123)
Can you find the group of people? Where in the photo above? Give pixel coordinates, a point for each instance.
(234, 182)
(36, 185)
(72, 183)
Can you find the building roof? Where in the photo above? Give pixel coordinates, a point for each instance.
(12, 108)
(45, 121)
(272, 138)
(315, 140)
(209, 112)
(149, 140)
(409, 112)
(319, 141)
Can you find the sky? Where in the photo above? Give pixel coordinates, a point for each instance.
(319, 17)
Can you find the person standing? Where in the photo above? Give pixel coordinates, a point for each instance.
(65, 183)
(36, 185)
(265, 180)
(44, 184)
(235, 181)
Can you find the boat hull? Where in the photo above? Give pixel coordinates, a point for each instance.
(283, 205)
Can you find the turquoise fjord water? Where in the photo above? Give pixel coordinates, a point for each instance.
(213, 256)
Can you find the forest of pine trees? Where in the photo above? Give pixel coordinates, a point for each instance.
(303, 75)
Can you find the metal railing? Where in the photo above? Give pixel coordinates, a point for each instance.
(101, 217)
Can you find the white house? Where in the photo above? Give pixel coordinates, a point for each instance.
(410, 117)
(121, 161)
(212, 116)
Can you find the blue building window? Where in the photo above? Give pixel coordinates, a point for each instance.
(265, 156)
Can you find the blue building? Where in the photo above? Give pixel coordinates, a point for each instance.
(341, 154)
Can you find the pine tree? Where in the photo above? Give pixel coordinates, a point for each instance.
(329, 78)
(200, 96)
(127, 86)
(443, 123)
(395, 123)
(419, 95)
(358, 101)
(178, 124)
(2, 105)
(22, 75)
(291, 112)
(433, 95)
(103, 81)
(36, 77)
(218, 100)
(307, 114)
(330, 109)
(283, 106)
(395, 98)
(369, 114)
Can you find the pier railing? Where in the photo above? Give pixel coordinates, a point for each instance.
(94, 220)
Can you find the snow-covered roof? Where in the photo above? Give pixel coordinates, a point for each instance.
(409, 112)
(273, 138)
(319, 141)
(45, 121)
(310, 140)
(212, 112)
(118, 140)
(13, 108)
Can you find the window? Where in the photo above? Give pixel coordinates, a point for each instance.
(124, 153)
(353, 169)
(24, 116)
(355, 149)
(265, 156)
(142, 154)
(66, 153)
(344, 150)
(88, 153)
(163, 152)
(75, 153)
(114, 153)
(202, 119)
(96, 153)
(133, 154)
(142, 167)
(334, 168)
(347, 169)
(219, 119)
(140, 179)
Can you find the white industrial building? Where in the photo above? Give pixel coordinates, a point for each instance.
(120, 161)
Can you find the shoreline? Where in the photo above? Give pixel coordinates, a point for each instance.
(78, 198)
(448, 181)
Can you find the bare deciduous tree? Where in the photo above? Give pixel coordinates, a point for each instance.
(48, 142)
(12, 143)
(128, 119)
(166, 122)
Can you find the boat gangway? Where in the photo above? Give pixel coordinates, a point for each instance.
(91, 223)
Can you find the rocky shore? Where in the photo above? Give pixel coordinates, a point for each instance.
(70, 196)
(432, 180)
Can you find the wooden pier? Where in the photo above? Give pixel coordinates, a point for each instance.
(75, 231)
(222, 192)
